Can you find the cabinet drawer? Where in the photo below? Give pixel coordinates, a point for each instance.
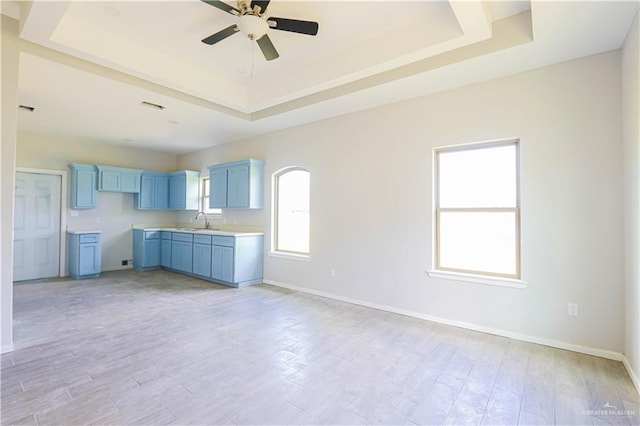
(152, 235)
(89, 238)
(166, 235)
(179, 236)
(202, 239)
(224, 241)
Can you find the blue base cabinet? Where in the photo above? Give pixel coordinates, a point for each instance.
(248, 252)
(146, 250)
(182, 252)
(165, 249)
(202, 255)
(235, 261)
(222, 259)
(84, 254)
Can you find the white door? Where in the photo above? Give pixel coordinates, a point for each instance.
(36, 232)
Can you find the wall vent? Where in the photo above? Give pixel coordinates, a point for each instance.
(152, 105)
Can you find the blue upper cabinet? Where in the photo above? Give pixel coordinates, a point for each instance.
(84, 193)
(184, 190)
(154, 192)
(118, 179)
(237, 185)
(218, 187)
(161, 192)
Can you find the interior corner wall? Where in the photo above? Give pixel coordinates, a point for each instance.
(115, 213)
(631, 154)
(371, 202)
(9, 113)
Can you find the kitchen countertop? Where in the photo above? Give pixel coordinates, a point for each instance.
(202, 231)
(77, 231)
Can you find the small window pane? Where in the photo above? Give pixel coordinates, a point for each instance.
(204, 199)
(293, 212)
(478, 177)
(478, 241)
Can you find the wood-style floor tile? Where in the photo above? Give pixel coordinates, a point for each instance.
(159, 348)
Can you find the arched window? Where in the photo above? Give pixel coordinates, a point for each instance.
(291, 193)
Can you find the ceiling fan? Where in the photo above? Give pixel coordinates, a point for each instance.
(252, 21)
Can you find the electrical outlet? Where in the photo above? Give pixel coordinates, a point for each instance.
(333, 272)
(572, 309)
(75, 213)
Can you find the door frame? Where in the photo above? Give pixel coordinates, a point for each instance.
(62, 267)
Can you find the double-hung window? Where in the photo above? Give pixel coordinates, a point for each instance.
(477, 209)
(291, 200)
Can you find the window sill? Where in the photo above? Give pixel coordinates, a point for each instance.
(291, 256)
(478, 279)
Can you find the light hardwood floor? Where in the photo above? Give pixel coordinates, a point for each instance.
(159, 348)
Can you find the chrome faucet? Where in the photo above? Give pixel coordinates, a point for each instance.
(206, 221)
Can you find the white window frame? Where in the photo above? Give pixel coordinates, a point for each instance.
(275, 251)
(481, 277)
(204, 199)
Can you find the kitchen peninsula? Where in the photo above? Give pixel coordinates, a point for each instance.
(234, 259)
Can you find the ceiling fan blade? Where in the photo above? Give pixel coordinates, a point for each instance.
(268, 50)
(223, 6)
(263, 5)
(294, 26)
(221, 35)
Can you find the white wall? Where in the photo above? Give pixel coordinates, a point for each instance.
(631, 138)
(371, 212)
(115, 213)
(9, 114)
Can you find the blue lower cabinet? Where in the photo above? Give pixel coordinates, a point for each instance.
(182, 252)
(202, 255)
(84, 255)
(236, 261)
(222, 264)
(146, 249)
(248, 260)
(165, 249)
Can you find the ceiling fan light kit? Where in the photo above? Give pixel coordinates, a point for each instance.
(253, 26)
(251, 20)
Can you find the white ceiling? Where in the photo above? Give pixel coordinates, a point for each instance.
(86, 65)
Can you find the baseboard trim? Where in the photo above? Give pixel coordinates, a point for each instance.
(6, 348)
(634, 377)
(466, 325)
(117, 268)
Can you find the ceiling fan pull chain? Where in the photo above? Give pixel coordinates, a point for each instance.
(253, 58)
